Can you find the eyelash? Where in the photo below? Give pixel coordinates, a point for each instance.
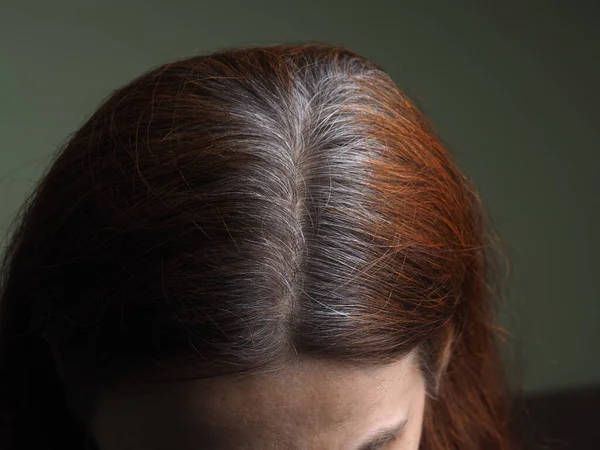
(379, 445)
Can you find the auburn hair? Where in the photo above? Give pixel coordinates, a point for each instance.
(228, 211)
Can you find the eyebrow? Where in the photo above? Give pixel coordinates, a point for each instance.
(381, 435)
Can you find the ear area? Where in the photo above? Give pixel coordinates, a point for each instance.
(59, 364)
(74, 388)
(447, 341)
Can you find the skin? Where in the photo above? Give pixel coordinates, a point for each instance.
(311, 405)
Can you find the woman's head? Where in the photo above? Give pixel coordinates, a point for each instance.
(229, 217)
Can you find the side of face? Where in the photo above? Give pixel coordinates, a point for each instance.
(311, 405)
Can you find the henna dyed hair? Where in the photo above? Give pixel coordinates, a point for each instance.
(226, 212)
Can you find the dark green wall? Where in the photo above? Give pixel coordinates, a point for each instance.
(512, 88)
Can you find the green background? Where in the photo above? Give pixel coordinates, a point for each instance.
(511, 86)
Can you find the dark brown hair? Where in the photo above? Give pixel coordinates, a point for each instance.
(229, 211)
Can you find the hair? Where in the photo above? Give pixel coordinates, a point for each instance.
(231, 211)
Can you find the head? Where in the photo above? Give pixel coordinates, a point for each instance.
(259, 248)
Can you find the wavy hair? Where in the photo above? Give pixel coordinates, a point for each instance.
(232, 210)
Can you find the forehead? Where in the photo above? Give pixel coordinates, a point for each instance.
(314, 403)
